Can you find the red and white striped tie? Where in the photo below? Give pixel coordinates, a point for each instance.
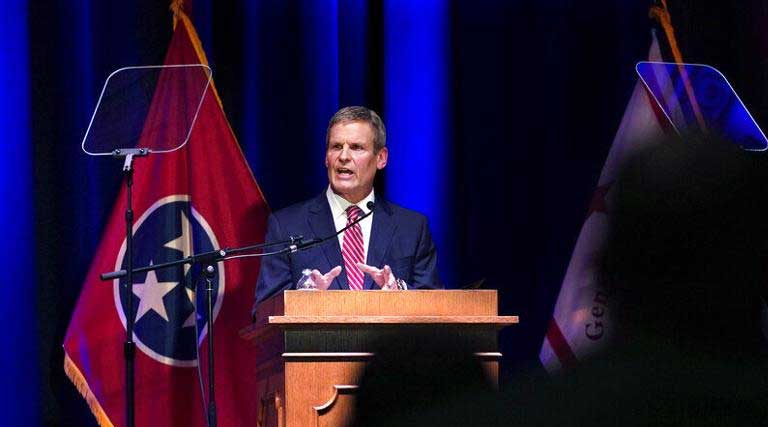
(352, 249)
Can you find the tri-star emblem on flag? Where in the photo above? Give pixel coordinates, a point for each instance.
(166, 301)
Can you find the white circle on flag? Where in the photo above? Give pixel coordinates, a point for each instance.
(176, 347)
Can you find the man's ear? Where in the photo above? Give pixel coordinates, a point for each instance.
(381, 158)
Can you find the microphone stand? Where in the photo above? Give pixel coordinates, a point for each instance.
(314, 242)
(295, 244)
(209, 272)
(209, 257)
(208, 260)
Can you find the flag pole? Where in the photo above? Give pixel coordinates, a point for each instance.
(660, 12)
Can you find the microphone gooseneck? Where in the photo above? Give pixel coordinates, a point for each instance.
(314, 242)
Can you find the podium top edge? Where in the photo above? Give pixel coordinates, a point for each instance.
(450, 302)
(499, 321)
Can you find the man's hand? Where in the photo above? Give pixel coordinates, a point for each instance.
(323, 281)
(382, 277)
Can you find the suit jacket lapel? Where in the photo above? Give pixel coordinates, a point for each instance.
(321, 222)
(382, 232)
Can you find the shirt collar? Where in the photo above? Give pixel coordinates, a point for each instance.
(339, 204)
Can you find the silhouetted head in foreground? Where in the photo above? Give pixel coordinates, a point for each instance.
(687, 251)
(424, 379)
(686, 259)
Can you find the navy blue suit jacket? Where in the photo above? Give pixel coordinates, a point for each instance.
(399, 238)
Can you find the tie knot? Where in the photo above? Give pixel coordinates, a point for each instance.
(353, 212)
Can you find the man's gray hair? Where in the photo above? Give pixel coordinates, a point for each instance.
(360, 114)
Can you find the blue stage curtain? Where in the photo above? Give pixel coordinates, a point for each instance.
(417, 108)
(18, 305)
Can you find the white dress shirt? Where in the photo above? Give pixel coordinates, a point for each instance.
(339, 212)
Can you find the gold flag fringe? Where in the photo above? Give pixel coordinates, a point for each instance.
(177, 7)
(82, 386)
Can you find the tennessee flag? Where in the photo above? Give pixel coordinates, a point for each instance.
(581, 323)
(198, 198)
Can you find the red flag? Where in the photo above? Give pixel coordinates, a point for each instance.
(202, 196)
(581, 323)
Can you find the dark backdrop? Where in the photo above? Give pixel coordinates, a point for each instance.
(500, 115)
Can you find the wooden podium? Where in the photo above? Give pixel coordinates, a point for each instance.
(312, 345)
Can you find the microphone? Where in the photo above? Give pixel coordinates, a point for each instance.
(314, 242)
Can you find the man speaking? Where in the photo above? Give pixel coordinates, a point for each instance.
(389, 249)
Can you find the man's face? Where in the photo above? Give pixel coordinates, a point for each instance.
(350, 160)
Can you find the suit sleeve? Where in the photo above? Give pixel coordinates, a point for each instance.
(275, 271)
(425, 262)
